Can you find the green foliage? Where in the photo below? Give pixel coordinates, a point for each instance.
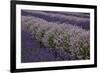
(84, 52)
(51, 42)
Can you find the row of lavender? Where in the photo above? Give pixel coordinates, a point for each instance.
(56, 35)
(74, 18)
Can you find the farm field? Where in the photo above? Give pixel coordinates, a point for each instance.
(54, 36)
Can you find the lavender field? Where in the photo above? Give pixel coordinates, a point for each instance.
(54, 36)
